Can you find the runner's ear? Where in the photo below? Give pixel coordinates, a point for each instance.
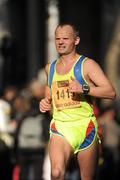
(77, 41)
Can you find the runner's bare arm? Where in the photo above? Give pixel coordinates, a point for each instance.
(102, 87)
(45, 103)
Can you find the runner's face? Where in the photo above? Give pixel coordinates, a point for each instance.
(65, 40)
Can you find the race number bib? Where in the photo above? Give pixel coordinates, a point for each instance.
(63, 98)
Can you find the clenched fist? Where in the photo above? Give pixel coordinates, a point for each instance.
(45, 104)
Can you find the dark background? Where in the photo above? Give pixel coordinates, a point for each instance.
(25, 52)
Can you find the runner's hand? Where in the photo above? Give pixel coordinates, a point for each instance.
(45, 104)
(75, 86)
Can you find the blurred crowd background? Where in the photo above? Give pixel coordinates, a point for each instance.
(26, 45)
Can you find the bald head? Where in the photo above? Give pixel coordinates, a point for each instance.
(69, 25)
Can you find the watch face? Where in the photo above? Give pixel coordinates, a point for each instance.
(85, 88)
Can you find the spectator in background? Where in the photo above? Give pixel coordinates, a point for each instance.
(10, 93)
(7, 129)
(32, 134)
(111, 143)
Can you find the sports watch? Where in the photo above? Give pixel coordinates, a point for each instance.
(85, 88)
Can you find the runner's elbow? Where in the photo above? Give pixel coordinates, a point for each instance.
(113, 94)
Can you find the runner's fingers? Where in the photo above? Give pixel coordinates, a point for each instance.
(44, 106)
